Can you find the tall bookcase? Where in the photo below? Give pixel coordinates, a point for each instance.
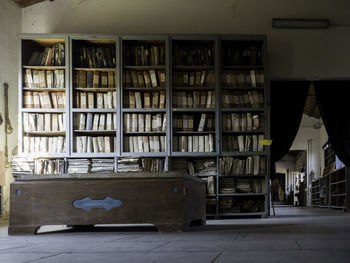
(195, 103)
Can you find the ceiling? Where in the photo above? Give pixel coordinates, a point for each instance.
(25, 3)
(311, 108)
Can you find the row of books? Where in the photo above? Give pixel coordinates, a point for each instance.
(95, 57)
(135, 164)
(238, 79)
(238, 122)
(229, 185)
(145, 100)
(44, 78)
(242, 143)
(243, 55)
(193, 55)
(202, 166)
(203, 143)
(95, 121)
(144, 144)
(49, 166)
(44, 144)
(99, 144)
(252, 165)
(50, 56)
(194, 99)
(137, 54)
(43, 122)
(194, 78)
(44, 100)
(242, 99)
(94, 79)
(193, 122)
(96, 100)
(144, 79)
(144, 122)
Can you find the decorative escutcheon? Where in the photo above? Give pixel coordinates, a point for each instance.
(87, 203)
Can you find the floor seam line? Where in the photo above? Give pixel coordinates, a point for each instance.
(217, 256)
(43, 257)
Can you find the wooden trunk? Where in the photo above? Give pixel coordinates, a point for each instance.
(170, 202)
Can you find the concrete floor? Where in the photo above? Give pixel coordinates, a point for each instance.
(293, 235)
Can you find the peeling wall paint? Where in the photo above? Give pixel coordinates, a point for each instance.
(10, 25)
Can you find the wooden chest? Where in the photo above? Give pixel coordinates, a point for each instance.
(168, 200)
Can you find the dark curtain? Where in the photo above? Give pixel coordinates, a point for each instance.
(334, 104)
(287, 105)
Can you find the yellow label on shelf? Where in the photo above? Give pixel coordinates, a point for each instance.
(265, 142)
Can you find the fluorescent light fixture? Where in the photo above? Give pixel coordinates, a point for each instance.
(299, 23)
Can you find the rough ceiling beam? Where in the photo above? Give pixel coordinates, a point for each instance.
(25, 3)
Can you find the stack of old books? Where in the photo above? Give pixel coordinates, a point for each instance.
(22, 165)
(79, 166)
(102, 166)
(243, 185)
(129, 164)
(227, 186)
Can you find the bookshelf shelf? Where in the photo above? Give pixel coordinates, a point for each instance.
(96, 69)
(152, 94)
(44, 67)
(243, 194)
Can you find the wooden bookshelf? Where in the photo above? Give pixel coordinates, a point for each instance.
(164, 90)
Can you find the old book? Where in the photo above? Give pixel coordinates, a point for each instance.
(108, 147)
(114, 99)
(209, 100)
(81, 79)
(151, 143)
(109, 100)
(138, 100)
(203, 101)
(104, 80)
(156, 143)
(147, 79)
(95, 124)
(145, 144)
(155, 100)
(89, 79)
(201, 143)
(28, 79)
(189, 100)
(260, 145)
(140, 79)
(202, 78)
(109, 121)
(162, 99)
(161, 78)
(154, 123)
(164, 123)
(148, 122)
(140, 143)
(153, 76)
(202, 122)
(28, 99)
(134, 122)
(102, 122)
(83, 100)
(90, 98)
(82, 121)
(96, 80)
(132, 100)
(162, 143)
(49, 79)
(248, 143)
(211, 143)
(45, 100)
(111, 83)
(159, 122)
(32, 122)
(185, 122)
(47, 122)
(40, 122)
(141, 123)
(191, 80)
(206, 143)
(175, 142)
(25, 121)
(134, 80)
(99, 100)
(36, 80)
(198, 78)
(185, 79)
(95, 145)
(89, 121)
(195, 143)
(131, 145)
(147, 100)
(189, 144)
(36, 100)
